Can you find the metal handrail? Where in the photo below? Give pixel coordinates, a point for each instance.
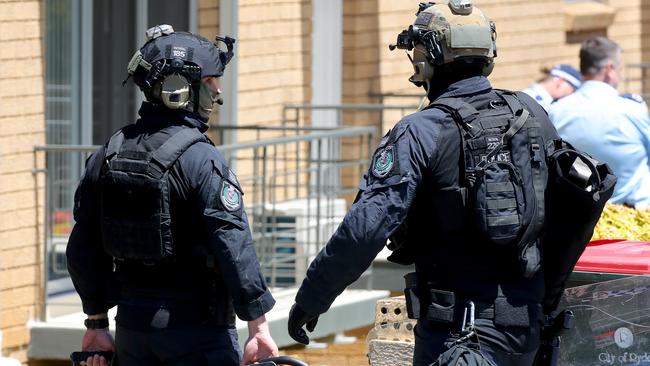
(340, 108)
(66, 148)
(338, 133)
(350, 106)
(329, 133)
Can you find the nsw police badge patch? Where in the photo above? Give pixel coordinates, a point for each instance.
(383, 162)
(230, 196)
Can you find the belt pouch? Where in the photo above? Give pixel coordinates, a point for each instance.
(509, 314)
(441, 306)
(411, 295)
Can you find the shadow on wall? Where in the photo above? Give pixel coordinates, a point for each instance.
(579, 37)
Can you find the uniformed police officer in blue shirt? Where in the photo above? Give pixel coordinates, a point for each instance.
(559, 81)
(160, 228)
(415, 192)
(612, 128)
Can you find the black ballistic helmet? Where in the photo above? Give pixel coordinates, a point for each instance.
(170, 65)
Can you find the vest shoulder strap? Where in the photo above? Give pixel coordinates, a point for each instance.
(167, 154)
(459, 110)
(114, 145)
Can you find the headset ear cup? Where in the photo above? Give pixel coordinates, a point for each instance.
(175, 91)
(427, 72)
(423, 71)
(488, 67)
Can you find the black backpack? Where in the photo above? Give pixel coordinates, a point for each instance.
(503, 173)
(539, 196)
(134, 197)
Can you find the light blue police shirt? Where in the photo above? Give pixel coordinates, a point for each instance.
(612, 129)
(541, 95)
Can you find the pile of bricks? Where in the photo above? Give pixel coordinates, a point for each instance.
(391, 340)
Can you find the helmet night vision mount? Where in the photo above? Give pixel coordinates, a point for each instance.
(445, 32)
(169, 68)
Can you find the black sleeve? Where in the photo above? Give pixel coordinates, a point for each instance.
(90, 268)
(231, 242)
(382, 204)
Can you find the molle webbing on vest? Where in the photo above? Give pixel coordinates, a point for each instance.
(503, 173)
(135, 197)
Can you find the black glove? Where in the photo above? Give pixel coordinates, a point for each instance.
(298, 318)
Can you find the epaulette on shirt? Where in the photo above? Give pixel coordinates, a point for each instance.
(635, 97)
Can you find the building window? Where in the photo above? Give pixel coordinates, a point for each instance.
(88, 45)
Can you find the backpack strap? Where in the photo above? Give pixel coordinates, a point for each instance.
(166, 155)
(536, 146)
(461, 112)
(537, 158)
(112, 150)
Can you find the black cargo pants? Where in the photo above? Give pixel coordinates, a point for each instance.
(189, 338)
(192, 346)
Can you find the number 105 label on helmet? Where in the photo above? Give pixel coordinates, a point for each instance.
(230, 196)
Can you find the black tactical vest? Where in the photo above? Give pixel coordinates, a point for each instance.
(502, 176)
(135, 197)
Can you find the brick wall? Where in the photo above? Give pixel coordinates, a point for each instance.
(274, 64)
(208, 18)
(275, 44)
(539, 26)
(274, 58)
(630, 30)
(22, 125)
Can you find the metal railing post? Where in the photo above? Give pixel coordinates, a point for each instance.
(319, 188)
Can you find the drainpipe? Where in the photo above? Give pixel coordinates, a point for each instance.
(229, 25)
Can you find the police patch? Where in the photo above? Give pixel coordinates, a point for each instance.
(383, 162)
(230, 196)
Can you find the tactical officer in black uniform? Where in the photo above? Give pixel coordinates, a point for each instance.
(160, 228)
(458, 188)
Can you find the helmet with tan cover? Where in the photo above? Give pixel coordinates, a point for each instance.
(446, 32)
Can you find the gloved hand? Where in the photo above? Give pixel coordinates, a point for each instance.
(297, 318)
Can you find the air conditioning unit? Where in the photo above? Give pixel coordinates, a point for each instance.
(289, 234)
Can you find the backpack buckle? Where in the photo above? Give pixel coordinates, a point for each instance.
(536, 154)
(467, 325)
(467, 330)
(471, 176)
